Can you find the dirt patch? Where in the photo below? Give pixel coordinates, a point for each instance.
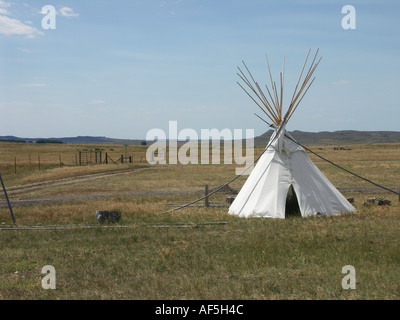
(63, 181)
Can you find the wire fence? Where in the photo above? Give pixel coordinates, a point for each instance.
(39, 161)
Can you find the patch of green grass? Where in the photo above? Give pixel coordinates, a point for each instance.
(245, 259)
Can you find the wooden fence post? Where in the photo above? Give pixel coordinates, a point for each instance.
(80, 158)
(106, 158)
(122, 158)
(8, 200)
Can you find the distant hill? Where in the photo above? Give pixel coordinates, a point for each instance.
(88, 139)
(336, 137)
(12, 138)
(76, 140)
(307, 138)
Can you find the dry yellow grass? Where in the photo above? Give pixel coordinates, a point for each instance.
(244, 259)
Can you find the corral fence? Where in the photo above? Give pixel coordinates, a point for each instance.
(99, 157)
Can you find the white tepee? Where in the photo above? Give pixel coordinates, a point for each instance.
(284, 163)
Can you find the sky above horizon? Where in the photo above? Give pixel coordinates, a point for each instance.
(121, 68)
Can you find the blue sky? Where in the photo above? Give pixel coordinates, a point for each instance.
(121, 68)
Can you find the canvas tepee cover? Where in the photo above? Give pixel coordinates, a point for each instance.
(282, 165)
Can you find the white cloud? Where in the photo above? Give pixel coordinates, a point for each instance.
(68, 12)
(4, 11)
(4, 4)
(10, 26)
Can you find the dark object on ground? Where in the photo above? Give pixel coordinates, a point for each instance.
(351, 200)
(379, 201)
(340, 148)
(108, 216)
(230, 199)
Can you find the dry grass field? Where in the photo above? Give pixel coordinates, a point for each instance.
(195, 253)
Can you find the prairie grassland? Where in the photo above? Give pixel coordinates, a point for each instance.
(149, 255)
(29, 162)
